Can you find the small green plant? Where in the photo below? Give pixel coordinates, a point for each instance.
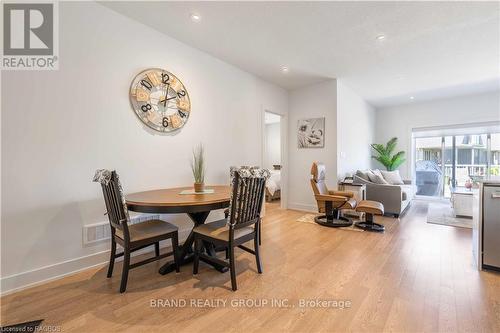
(385, 156)
(198, 164)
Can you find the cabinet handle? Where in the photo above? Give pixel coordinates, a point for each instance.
(495, 195)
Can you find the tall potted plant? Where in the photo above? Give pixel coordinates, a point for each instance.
(198, 168)
(385, 154)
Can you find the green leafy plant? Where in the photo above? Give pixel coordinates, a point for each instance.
(198, 164)
(385, 154)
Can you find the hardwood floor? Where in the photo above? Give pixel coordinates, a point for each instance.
(415, 277)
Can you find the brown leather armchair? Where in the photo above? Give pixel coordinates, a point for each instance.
(330, 202)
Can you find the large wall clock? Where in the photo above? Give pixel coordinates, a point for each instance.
(160, 100)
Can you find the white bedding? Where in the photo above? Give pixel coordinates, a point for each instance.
(274, 182)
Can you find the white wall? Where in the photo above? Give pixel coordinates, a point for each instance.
(272, 154)
(59, 126)
(356, 131)
(319, 100)
(398, 121)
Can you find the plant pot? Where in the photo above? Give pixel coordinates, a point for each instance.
(199, 187)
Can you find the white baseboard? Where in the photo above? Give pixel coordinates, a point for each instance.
(303, 207)
(17, 282)
(32, 278)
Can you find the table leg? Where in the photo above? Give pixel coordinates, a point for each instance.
(186, 249)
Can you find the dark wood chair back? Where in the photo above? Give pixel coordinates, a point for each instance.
(247, 195)
(115, 206)
(149, 233)
(246, 200)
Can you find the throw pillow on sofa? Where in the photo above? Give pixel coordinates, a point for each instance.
(376, 177)
(363, 174)
(393, 177)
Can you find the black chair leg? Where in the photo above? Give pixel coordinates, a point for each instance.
(175, 249)
(157, 249)
(126, 267)
(196, 261)
(260, 234)
(112, 257)
(232, 268)
(256, 242)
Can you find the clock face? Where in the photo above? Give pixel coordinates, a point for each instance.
(160, 100)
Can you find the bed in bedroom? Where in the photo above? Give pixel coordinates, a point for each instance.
(273, 185)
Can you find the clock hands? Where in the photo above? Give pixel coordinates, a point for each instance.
(166, 95)
(166, 99)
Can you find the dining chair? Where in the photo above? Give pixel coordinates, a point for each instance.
(241, 226)
(132, 237)
(226, 211)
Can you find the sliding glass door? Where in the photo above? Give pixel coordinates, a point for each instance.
(472, 159)
(429, 166)
(449, 160)
(494, 156)
(445, 162)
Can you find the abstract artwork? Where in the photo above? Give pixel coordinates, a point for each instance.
(311, 133)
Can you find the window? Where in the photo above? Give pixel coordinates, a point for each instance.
(494, 163)
(455, 160)
(464, 156)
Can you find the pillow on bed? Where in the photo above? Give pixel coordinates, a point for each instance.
(393, 177)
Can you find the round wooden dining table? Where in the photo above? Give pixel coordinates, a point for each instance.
(196, 206)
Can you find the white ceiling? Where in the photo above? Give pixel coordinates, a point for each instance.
(431, 49)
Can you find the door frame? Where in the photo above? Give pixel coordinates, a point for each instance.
(283, 150)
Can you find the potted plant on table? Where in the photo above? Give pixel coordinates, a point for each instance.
(198, 168)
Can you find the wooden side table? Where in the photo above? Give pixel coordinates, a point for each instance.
(359, 191)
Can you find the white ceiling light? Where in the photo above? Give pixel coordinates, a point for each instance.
(285, 69)
(380, 37)
(419, 37)
(412, 97)
(195, 17)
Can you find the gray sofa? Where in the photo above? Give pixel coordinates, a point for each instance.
(395, 198)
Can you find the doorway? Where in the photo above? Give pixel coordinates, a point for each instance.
(273, 157)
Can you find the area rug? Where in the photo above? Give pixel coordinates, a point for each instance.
(309, 218)
(442, 213)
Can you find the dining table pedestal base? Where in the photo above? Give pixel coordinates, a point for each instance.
(186, 249)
